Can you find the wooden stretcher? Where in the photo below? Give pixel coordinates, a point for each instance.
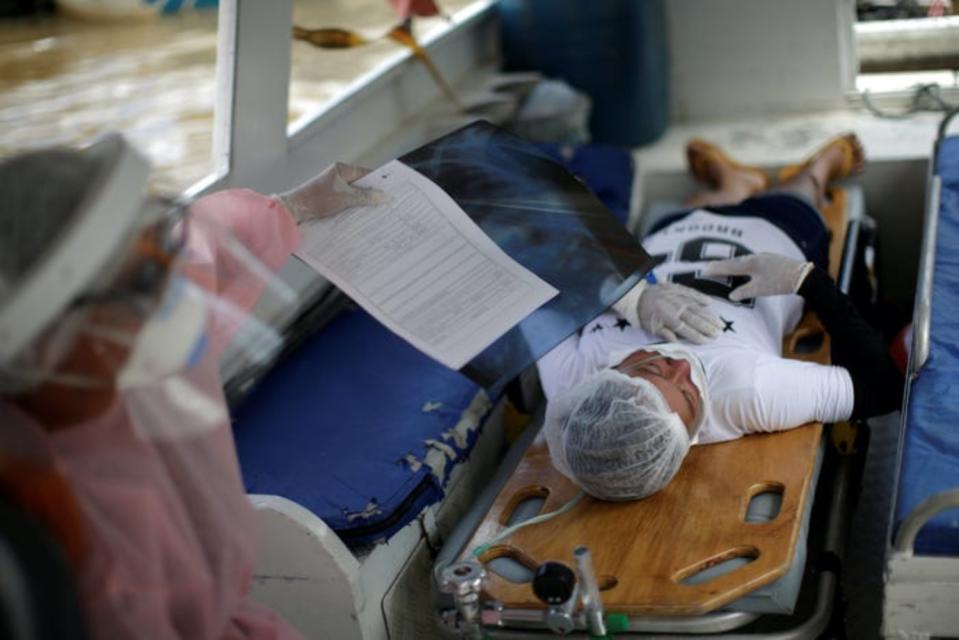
(644, 551)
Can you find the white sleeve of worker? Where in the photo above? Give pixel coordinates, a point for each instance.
(789, 393)
(628, 305)
(564, 366)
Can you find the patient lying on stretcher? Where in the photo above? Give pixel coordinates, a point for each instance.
(624, 407)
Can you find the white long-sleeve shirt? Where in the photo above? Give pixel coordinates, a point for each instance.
(752, 388)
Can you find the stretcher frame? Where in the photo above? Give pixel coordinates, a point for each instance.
(493, 508)
(921, 593)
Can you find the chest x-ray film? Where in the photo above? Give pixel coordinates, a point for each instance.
(545, 219)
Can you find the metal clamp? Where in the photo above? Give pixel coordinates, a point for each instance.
(556, 585)
(559, 618)
(464, 581)
(559, 587)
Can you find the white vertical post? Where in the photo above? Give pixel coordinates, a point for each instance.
(848, 59)
(253, 78)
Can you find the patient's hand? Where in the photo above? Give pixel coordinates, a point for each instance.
(675, 311)
(672, 311)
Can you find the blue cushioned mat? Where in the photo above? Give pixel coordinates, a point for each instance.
(332, 426)
(930, 462)
(606, 170)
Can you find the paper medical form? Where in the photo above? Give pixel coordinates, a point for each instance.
(423, 268)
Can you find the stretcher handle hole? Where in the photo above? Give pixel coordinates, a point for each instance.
(606, 582)
(765, 502)
(717, 566)
(809, 343)
(526, 503)
(510, 565)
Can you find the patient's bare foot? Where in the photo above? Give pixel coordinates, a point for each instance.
(840, 157)
(732, 181)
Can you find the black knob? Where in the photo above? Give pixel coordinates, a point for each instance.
(554, 582)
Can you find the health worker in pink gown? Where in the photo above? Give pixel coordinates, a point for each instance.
(115, 307)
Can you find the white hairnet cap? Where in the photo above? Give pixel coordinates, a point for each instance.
(615, 436)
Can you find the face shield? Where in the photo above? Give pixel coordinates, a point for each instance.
(117, 298)
(697, 375)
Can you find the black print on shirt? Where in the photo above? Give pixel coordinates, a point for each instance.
(718, 288)
(706, 227)
(705, 249)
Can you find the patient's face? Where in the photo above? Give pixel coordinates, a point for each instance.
(671, 376)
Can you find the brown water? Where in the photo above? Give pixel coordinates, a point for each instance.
(64, 81)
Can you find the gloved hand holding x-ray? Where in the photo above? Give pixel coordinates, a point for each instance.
(329, 193)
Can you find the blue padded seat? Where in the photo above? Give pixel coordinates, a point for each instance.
(930, 457)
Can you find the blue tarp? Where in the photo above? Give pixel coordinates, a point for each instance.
(930, 462)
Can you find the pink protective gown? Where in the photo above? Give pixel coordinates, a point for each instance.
(170, 537)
